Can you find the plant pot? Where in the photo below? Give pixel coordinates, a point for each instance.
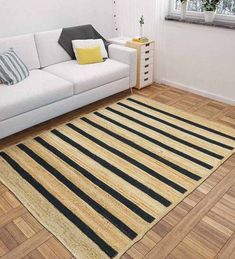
(209, 16)
(183, 10)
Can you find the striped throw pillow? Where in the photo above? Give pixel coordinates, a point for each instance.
(12, 68)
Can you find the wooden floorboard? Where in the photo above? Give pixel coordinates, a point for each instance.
(194, 220)
(201, 226)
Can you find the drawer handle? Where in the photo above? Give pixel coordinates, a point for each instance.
(146, 73)
(146, 66)
(147, 52)
(147, 45)
(146, 59)
(146, 79)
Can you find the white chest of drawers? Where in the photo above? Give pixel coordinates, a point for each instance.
(145, 62)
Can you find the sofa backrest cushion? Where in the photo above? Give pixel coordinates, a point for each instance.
(49, 50)
(25, 48)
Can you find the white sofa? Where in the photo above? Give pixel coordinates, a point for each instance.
(57, 84)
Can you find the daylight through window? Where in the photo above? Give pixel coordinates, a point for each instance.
(225, 7)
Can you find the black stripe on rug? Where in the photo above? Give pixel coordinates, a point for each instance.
(145, 151)
(92, 203)
(116, 195)
(106, 248)
(186, 131)
(183, 119)
(129, 159)
(114, 170)
(164, 133)
(154, 141)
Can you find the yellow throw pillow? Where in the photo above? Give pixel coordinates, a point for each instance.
(89, 55)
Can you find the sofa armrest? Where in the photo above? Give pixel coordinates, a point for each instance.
(125, 55)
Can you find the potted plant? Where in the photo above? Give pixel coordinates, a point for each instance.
(184, 5)
(141, 21)
(209, 7)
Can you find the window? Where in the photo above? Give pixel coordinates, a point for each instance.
(225, 10)
(193, 5)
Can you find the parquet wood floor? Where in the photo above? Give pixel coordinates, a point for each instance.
(202, 226)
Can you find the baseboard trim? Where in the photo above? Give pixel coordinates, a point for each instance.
(197, 91)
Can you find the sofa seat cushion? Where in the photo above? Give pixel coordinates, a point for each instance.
(87, 77)
(38, 89)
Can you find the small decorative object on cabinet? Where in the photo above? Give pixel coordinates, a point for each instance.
(141, 21)
(145, 62)
(209, 7)
(184, 5)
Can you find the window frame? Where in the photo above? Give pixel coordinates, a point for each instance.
(200, 15)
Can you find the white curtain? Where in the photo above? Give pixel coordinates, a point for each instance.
(128, 13)
(160, 14)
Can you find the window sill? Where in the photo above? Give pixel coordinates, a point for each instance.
(190, 20)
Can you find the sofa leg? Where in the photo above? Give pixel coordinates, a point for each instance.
(131, 90)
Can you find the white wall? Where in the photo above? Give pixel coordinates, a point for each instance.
(201, 58)
(25, 16)
(198, 58)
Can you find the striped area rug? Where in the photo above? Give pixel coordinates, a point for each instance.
(100, 182)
